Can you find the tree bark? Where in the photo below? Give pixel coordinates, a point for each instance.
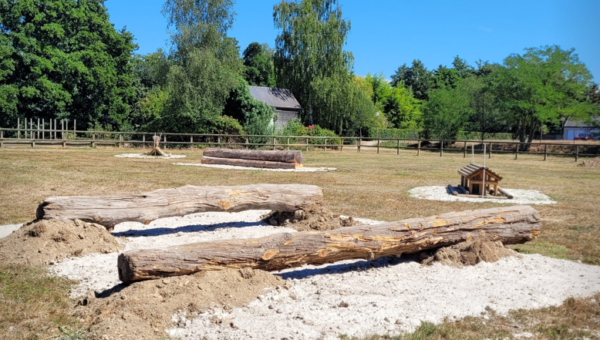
(509, 224)
(111, 210)
(257, 155)
(249, 163)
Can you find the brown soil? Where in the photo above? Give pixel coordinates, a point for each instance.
(312, 217)
(144, 310)
(591, 163)
(44, 242)
(468, 253)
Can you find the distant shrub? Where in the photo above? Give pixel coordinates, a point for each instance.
(393, 133)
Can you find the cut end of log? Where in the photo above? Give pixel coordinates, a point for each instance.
(126, 272)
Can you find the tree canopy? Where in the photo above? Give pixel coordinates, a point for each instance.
(63, 59)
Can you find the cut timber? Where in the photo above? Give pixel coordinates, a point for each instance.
(505, 193)
(111, 210)
(256, 155)
(156, 151)
(452, 190)
(510, 225)
(249, 163)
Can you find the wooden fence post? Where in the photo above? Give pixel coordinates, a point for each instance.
(306, 144)
(398, 147)
(143, 141)
(55, 128)
(18, 128)
(120, 140)
(342, 145)
(545, 151)
(378, 142)
(43, 128)
(419, 148)
(517, 150)
(273, 143)
(465, 151)
(247, 147)
(490, 155)
(165, 142)
(37, 132)
(74, 128)
(325, 145)
(359, 144)
(442, 148)
(191, 142)
(576, 153)
(64, 143)
(288, 143)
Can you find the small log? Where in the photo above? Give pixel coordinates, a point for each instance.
(505, 193)
(452, 190)
(112, 210)
(463, 190)
(256, 155)
(249, 163)
(510, 225)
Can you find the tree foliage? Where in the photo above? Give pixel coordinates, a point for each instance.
(417, 78)
(259, 69)
(255, 116)
(63, 59)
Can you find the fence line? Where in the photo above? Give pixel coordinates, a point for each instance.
(63, 137)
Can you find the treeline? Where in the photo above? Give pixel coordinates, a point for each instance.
(62, 59)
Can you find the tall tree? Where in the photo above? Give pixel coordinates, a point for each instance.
(258, 62)
(310, 60)
(63, 59)
(416, 77)
(545, 85)
(205, 68)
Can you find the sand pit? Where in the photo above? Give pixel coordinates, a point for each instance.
(141, 155)
(440, 193)
(50, 241)
(357, 298)
(6, 230)
(231, 167)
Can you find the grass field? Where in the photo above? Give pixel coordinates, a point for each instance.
(365, 185)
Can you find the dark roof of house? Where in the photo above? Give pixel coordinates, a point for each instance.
(579, 123)
(474, 168)
(278, 98)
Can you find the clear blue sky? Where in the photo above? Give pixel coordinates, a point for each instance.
(387, 33)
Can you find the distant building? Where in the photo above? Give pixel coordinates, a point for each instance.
(573, 128)
(281, 100)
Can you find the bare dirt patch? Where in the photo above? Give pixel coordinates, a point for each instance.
(44, 242)
(311, 217)
(143, 310)
(467, 253)
(590, 163)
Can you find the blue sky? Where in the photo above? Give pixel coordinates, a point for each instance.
(388, 33)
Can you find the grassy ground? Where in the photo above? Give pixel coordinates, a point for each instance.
(366, 185)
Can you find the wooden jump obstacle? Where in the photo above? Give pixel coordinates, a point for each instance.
(477, 181)
(253, 158)
(509, 225)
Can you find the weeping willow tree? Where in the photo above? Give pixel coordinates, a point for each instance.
(310, 61)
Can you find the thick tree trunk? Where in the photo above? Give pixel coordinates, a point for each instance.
(510, 225)
(257, 155)
(111, 210)
(249, 163)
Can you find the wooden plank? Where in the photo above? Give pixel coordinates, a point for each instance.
(111, 210)
(509, 225)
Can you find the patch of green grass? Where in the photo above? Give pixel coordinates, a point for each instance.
(34, 305)
(546, 249)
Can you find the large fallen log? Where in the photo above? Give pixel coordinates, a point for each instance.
(510, 225)
(111, 210)
(249, 163)
(257, 155)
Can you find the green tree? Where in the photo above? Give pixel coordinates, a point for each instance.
(545, 85)
(310, 61)
(255, 116)
(205, 65)
(259, 69)
(403, 110)
(63, 59)
(416, 77)
(447, 113)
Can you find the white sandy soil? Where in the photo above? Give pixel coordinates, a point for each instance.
(6, 230)
(231, 167)
(387, 295)
(140, 155)
(440, 193)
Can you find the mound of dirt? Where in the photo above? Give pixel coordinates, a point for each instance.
(144, 310)
(591, 163)
(468, 253)
(44, 242)
(312, 217)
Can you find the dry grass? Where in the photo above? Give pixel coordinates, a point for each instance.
(365, 185)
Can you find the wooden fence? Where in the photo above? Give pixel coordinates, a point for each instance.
(38, 136)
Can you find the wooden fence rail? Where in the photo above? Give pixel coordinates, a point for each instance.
(38, 136)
